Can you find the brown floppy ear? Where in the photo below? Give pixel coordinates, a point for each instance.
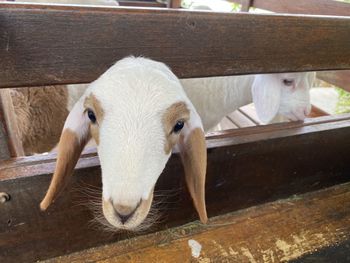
(193, 151)
(75, 135)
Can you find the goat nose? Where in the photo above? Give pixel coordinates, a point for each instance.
(124, 212)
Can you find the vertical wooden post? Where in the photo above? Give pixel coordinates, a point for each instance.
(246, 4)
(9, 127)
(174, 4)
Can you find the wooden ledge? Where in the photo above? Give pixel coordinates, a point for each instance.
(45, 164)
(275, 232)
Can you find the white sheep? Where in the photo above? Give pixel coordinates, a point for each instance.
(136, 112)
(285, 94)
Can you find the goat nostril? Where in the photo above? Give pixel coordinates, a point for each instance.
(124, 213)
(124, 218)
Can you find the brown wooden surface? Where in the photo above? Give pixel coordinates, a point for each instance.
(246, 4)
(312, 7)
(54, 45)
(275, 232)
(174, 3)
(4, 147)
(252, 166)
(4, 140)
(10, 124)
(141, 3)
(240, 119)
(340, 79)
(317, 112)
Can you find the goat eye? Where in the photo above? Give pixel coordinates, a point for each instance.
(178, 126)
(288, 82)
(91, 116)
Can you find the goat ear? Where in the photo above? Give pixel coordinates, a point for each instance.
(266, 97)
(74, 137)
(193, 151)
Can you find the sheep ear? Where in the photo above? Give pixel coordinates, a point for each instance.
(193, 153)
(74, 137)
(266, 97)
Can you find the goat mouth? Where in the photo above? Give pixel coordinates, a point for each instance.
(134, 220)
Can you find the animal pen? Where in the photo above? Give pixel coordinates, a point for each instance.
(274, 193)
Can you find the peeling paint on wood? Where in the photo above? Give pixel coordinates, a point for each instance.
(276, 232)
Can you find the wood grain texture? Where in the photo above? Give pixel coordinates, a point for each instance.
(55, 44)
(312, 7)
(318, 160)
(4, 140)
(10, 124)
(240, 120)
(4, 150)
(276, 232)
(340, 79)
(141, 3)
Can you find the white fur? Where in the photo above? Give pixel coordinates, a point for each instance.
(134, 94)
(214, 98)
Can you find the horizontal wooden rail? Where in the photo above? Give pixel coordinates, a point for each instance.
(340, 79)
(243, 170)
(42, 45)
(141, 3)
(312, 7)
(303, 227)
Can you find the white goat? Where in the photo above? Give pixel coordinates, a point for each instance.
(285, 94)
(136, 112)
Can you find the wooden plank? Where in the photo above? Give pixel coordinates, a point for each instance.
(240, 119)
(312, 7)
(336, 253)
(4, 147)
(227, 124)
(249, 112)
(233, 183)
(246, 4)
(10, 120)
(68, 53)
(340, 79)
(4, 140)
(174, 3)
(141, 3)
(276, 232)
(317, 112)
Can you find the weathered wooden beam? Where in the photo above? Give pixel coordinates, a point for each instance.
(141, 3)
(174, 3)
(58, 44)
(340, 79)
(4, 139)
(9, 124)
(4, 146)
(246, 4)
(275, 232)
(246, 167)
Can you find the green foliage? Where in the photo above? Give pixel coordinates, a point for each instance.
(343, 104)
